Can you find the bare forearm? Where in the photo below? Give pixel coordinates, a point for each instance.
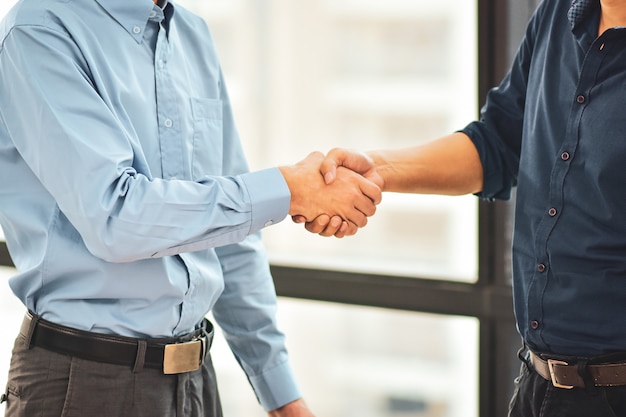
(449, 165)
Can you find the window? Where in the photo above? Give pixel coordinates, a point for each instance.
(361, 74)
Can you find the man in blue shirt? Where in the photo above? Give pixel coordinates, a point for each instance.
(130, 213)
(555, 129)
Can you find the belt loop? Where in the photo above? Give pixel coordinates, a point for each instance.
(140, 359)
(31, 329)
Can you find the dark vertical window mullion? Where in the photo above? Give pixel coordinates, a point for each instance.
(501, 25)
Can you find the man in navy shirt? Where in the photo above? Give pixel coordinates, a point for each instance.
(555, 128)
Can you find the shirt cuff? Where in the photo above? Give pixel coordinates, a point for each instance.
(276, 387)
(269, 197)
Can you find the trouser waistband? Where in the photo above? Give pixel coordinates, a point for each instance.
(574, 373)
(171, 355)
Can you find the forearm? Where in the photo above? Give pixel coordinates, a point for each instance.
(246, 313)
(449, 165)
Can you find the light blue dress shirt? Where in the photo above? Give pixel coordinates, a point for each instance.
(125, 197)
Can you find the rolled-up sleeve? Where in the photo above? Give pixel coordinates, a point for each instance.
(498, 134)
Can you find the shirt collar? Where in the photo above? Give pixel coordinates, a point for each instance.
(131, 15)
(580, 9)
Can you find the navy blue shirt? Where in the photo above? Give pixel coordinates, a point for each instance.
(556, 129)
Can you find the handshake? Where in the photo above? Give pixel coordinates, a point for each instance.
(333, 194)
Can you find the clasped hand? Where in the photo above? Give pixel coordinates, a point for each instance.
(333, 194)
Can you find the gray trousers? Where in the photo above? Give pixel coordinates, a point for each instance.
(47, 384)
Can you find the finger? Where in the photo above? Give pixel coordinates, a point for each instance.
(353, 160)
(328, 167)
(371, 190)
(364, 205)
(357, 215)
(342, 230)
(318, 224)
(366, 187)
(350, 228)
(333, 227)
(298, 219)
(376, 178)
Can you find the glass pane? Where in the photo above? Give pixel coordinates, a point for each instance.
(363, 74)
(368, 362)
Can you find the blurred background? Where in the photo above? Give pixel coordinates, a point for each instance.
(403, 319)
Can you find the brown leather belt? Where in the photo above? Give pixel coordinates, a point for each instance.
(566, 375)
(171, 355)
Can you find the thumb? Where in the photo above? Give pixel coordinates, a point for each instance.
(348, 158)
(328, 168)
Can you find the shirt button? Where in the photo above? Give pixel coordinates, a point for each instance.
(541, 268)
(565, 156)
(168, 123)
(268, 223)
(580, 99)
(136, 30)
(552, 212)
(534, 324)
(601, 47)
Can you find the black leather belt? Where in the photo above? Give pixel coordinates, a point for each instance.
(564, 374)
(171, 355)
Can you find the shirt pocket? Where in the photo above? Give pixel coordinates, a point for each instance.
(207, 149)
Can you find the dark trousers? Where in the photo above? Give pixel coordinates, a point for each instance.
(537, 397)
(46, 384)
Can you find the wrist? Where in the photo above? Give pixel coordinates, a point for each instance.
(382, 167)
(289, 174)
(297, 408)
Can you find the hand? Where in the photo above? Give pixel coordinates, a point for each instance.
(359, 162)
(324, 225)
(350, 196)
(356, 161)
(296, 408)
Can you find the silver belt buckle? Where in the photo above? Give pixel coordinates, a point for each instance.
(184, 357)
